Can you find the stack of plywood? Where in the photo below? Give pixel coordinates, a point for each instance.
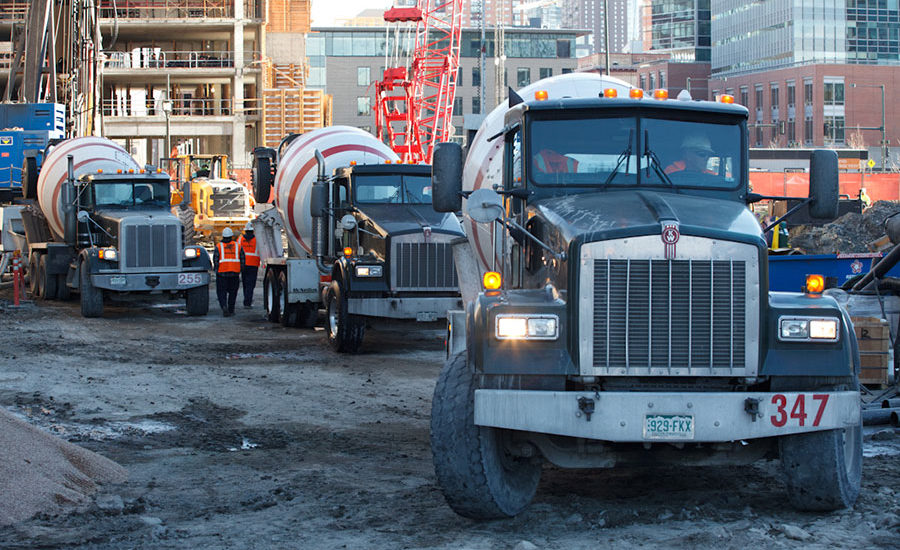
(288, 16)
(293, 111)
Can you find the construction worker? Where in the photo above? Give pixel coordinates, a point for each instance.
(864, 197)
(249, 263)
(695, 153)
(549, 161)
(228, 270)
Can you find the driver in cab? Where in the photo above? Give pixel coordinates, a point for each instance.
(549, 161)
(695, 153)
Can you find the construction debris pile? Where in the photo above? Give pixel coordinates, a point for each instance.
(851, 233)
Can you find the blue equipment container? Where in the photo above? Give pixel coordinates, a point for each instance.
(788, 273)
(25, 127)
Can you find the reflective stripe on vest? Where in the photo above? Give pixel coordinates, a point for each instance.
(228, 258)
(251, 258)
(551, 162)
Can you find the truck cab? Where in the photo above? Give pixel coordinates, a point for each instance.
(628, 319)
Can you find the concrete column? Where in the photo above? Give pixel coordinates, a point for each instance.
(238, 138)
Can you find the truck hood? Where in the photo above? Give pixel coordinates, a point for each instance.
(156, 215)
(399, 219)
(599, 216)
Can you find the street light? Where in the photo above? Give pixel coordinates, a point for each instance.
(884, 147)
(167, 110)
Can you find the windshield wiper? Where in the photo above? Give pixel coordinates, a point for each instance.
(624, 157)
(653, 160)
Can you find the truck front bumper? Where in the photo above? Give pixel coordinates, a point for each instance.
(420, 309)
(146, 282)
(637, 416)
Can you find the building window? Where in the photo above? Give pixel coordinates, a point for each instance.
(791, 132)
(363, 76)
(834, 93)
(566, 71)
(523, 77)
(791, 95)
(545, 72)
(476, 105)
(759, 102)
(366, 129)
(476, 76)
(745, 97)
(363, 106)
(808, 130)
(459, 77)
(662, 79)
(457, 106)
(834, 130)
(643, 82)
(808, 92)
(759, 136)
(652, 81)
(774, 97)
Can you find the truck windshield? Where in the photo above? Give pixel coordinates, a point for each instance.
(131, 193)
(628, 151)
(387, 188)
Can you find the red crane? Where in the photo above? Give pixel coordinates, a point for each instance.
(414, 105)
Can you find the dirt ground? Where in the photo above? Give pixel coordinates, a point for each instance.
(238, 433)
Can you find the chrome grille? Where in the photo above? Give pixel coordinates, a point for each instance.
(643, 315)
(151, 246)
(423, 266)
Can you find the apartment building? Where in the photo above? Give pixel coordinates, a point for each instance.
(183, 74)
(346, 61)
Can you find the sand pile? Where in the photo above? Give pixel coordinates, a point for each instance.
(847, 234)
(40, 473)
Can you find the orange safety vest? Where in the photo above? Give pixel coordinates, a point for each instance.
(251, 258)
(680, 166)
(228, 258)
(551, 162)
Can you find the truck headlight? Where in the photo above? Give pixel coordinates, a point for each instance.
(369, 271)
(527, 327)
(808, 329)
(191, 253)
(109, 254)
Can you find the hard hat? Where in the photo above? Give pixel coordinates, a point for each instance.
(697, 142)
(249, 226)
(227, 232)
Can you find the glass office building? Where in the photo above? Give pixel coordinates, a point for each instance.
(680, 28)
(751, 37)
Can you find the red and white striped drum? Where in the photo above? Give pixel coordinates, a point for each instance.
(89, 154)
(297, 171)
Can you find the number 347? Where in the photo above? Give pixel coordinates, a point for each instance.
(798, 410)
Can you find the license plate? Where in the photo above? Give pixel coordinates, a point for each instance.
(117, 281)
(190, 278)
(668, 426)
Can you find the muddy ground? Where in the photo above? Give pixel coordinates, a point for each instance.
(238, 433)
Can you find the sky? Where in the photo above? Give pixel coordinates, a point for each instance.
(325, 13)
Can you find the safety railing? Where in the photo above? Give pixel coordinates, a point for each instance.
(155, 58)
(13, 11)
(177, 9)
(132, 106)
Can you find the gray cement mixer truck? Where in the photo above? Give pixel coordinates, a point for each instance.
(100, 225)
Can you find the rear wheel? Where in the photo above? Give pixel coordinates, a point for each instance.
(272, 296)
(823, 470)
(63, 292)
(47, 282)
(288, 310)
(261, 176)
(308, 316)
(33, 278)
(477, 475)
(197, 300)
(345, 331)
(91, 296)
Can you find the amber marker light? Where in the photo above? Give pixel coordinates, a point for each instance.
(352, 163)
(387, 162)
(660, 94)
(541, 95)
(348, 251)
(119, 171)
(610, 92)
(100, 170)
(815, 284)
(636, 93)
(725, 98)
(492, 280)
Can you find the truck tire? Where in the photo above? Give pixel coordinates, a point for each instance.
(47, 282)
(91, 296)
(63, 292)
(288, 310)
(345, 331)
(261, 178)
(196, 300)
(186, 216)
(33, 277)
(823, 470)
(478, 478)
(272, 296)
(29, 178)
(308, 316)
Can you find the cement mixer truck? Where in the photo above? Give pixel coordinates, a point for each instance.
(623, 314)
(100, 225)
(364, 240)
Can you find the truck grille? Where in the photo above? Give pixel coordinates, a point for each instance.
(657, 317)
(423, 266)
(229, 203)
(152, 246)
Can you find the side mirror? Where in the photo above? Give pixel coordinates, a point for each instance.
(318, 200)
(186, 194)
(348, 222)
(484, 206)
(823, 184)
(446, 177)
(83, 216)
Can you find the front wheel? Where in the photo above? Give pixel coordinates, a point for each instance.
(288, 310)
(196, 300)
(91, 296)
(345, 331)
(823, 470)
(476, 474)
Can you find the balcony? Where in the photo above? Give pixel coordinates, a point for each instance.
(155, 58)
(177, 9)
(11, 12)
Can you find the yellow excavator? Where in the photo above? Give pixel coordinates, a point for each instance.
(205, 198)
